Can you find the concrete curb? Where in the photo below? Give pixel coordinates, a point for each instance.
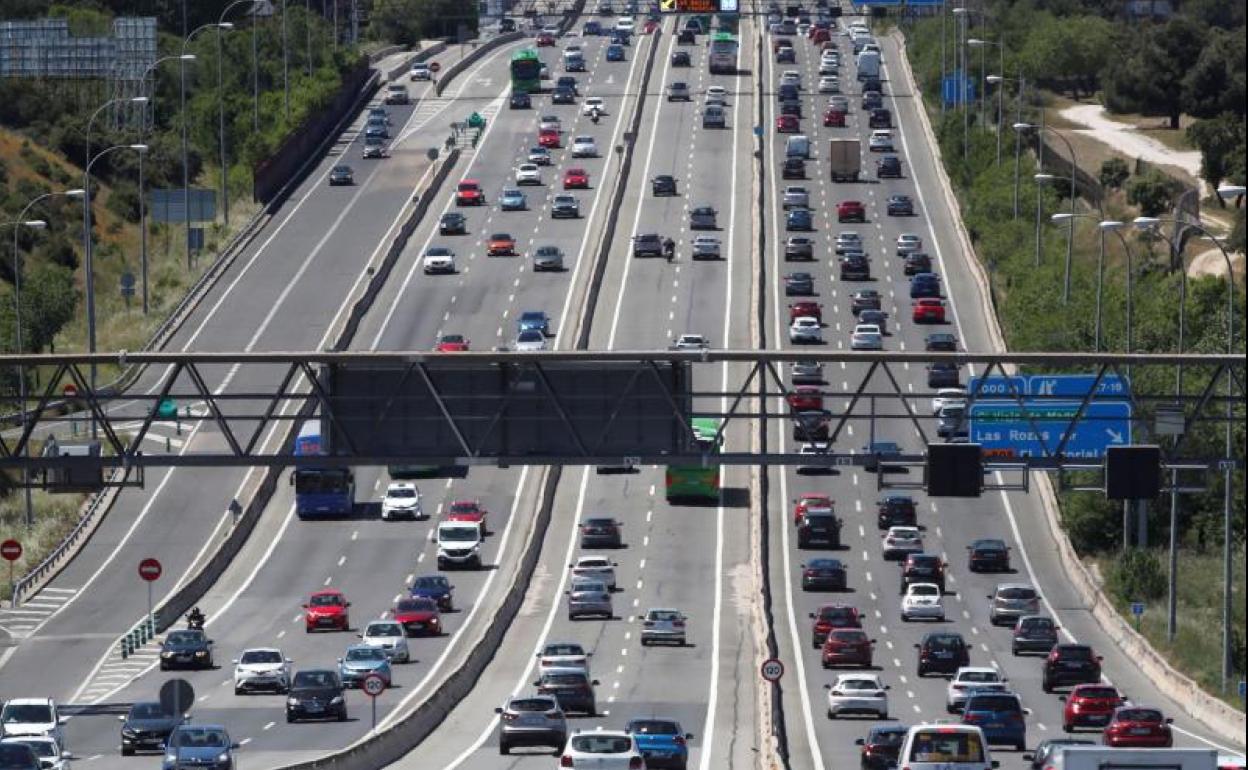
(1196, 703)
(445, 77)
(423, 54)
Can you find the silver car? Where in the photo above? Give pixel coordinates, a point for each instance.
(806, 372)
(387, 635)
(548, 258)
(705, 247)
(663, 625)
(796, 197)
(589, 597)
(1011, 601)
(535, 720)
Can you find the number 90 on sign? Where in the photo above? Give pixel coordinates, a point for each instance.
(772, 669)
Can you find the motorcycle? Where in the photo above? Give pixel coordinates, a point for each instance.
(195, 620)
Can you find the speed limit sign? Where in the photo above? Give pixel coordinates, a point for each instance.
(373, 685)
(772, 669)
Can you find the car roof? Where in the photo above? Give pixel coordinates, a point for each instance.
(323, 592)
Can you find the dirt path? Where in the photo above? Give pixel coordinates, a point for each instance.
(1128, 140)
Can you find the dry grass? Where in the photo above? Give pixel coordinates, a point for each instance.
(55, 516)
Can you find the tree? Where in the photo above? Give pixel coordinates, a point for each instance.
(1221, 142)
(48, 301)
(1215, 84)
(1113, 173)
(1067, 52)
(1152, 192)
(1149, 79)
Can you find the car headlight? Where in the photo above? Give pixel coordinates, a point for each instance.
(127, 732)
(223, 756)
(171, 757)
(337, 701)
(292, 701)
(166, 654)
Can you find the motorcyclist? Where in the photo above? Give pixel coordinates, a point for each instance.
(669, 248)
(593, 115)
(195, 618)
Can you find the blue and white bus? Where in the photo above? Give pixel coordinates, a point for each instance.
(320, 491)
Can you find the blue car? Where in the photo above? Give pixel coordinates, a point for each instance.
(620, 37)
(199, 746)
(799, 219)
(435, 587)
(592, 28)
(512, 200)
(615, 52)
(924, 285)
(361, 660)
(1000, 715)
(662, 742)
(534, 320)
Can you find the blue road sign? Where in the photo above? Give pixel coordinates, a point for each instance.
(951, 92)
(1137, 608)
(997, 387)
(1076, 385)
(1002, 426)
(1243, 688)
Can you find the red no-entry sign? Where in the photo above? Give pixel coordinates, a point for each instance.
(70, 390)
(150, 569)
(434, 66)
(11, 550)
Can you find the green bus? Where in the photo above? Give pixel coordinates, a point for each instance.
(723, 54)
(526, 71)
(694, 482)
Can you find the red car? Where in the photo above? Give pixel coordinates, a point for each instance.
(832, 616)
(1090, 705)
(787, 124)
(549, 139)
(452, 343)
(469, 193)
(1138, 727)
(928, 311)
(847, 647)
(806, 398)
(818, 35)
(576, 178)
(806, 310)
(327, 608)
(809, 500)
(501, 244)
(468, 510)
(649, 27)
(833, 118)
(847, 211)
(545, 40)
(419, 616)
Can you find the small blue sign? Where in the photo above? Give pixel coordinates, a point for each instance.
(758, 130)
(1002, 426)
(950, 88)
(997, 387)
(1137, 608)
(1076, 385)
(1243, 688)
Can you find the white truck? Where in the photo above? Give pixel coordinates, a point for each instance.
(459, 544)
(845, 160)
(1105, 758)
(869, 65)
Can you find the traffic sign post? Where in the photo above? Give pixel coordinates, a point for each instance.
(11, 550)
(373, 686)
(176, 696)
(772, 669)
(434, 67)
(150, 571)
(1137, 611)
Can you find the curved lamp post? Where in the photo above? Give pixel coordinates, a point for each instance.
(1070, 243)
(225, 173)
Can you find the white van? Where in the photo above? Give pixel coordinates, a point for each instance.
(459, 544)
(945, 747)
(797, 147)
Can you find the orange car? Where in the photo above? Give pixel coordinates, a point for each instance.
(501, 244)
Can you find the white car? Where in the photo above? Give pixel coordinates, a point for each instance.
(539, 156)
(717, 95)
(796, 197)
(971, 678)
(390, 637)
(945, 746)
(805, 329)
(866, 337)
(590, 102)
(624, 24)
(922, 600)
(528, 173)
(261, 668)
(690, 342)
(829, 67)
(584, 147)
(439, 259)
(880, 141)
(668, 626)
(899, 541)
(813, 449)
(564, 655)
(549, 123)
(602, 750)
(791, 78)
(530, 340)
(419, 71)
(948, 397)
(829, 85)
(706, 247)
(908, 243)
(402, 501)
(32, 716)
(47, 751)
(848, 241)
(551, 29)
(838, 103)
(858, 694)
(595, 568)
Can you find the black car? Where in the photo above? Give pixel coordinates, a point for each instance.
(819, 528)
(922, 568)
(942, 652)
(864, 299)
(855, 268)
(941, 341)
(880, 118)
(878, 453)
(786, 56)
(917, 262)
(799, 285)
(453, 223)
(791, 107)
(599, 532)
(872, 100)
(1040, 758)
(506, 25)
(890, 167)
(564, 206)
(663, 184)
(873, 84)
(811, 425)
(1069, 664)
(824, 575)
(881, 746)
(896, 511)
(686, 37)
(563, 96)
(799, 247)
(186, 648)
(647, 245)
(943, 374)
(794, 168)
(341, 175)
(1034, 633)
(146, 727)
(787, 93)
(316, 694)
(680, 59)
(567, 81)
(988, 555)
(520, 101)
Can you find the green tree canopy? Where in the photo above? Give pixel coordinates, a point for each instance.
(1215, 84)
(1222, 146)
(1149, 77)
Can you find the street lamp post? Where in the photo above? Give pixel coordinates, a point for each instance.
(18, 224)
(997, 79)
(1070, 243)
(944, 69)
(285, 65)
(186, 182)
(225, 172)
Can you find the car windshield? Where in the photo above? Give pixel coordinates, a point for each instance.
(383, 629)
(41, 748)
(943, 745)
(564, 649)
(436, 582)
(653, 727)
(416, 605)
(923, 589)
(200, 737)
(1018, 594)
(849, 636)
(663, 615)
(589, 586)
(1098, 692)
(402, 493)
(315, 679)
(944, 643)
(1139, 715)
(1076, 653)
(532, 704)
(565, 680)
(859, 684)
(989, 545)
(992, 703)
(457, 534)
(601, 744)
(261, 656)
(834, 613)
(185, 637)
(453, 339)
(600, 522)
(530, 335)
(979, 676)
(366, 654)
(326, 600)
(924, 561)
(887, 736)
(147, 711)
(500, 237)
(26, 713)
(593, 562)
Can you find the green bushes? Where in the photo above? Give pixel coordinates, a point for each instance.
(1136, 576)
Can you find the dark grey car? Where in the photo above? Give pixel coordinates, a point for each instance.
(1012, 601)
(1034, 633)
(571, 687)
(799, 247)
(186, 648)
(146, 727)
(548, 258)
(535, 720)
